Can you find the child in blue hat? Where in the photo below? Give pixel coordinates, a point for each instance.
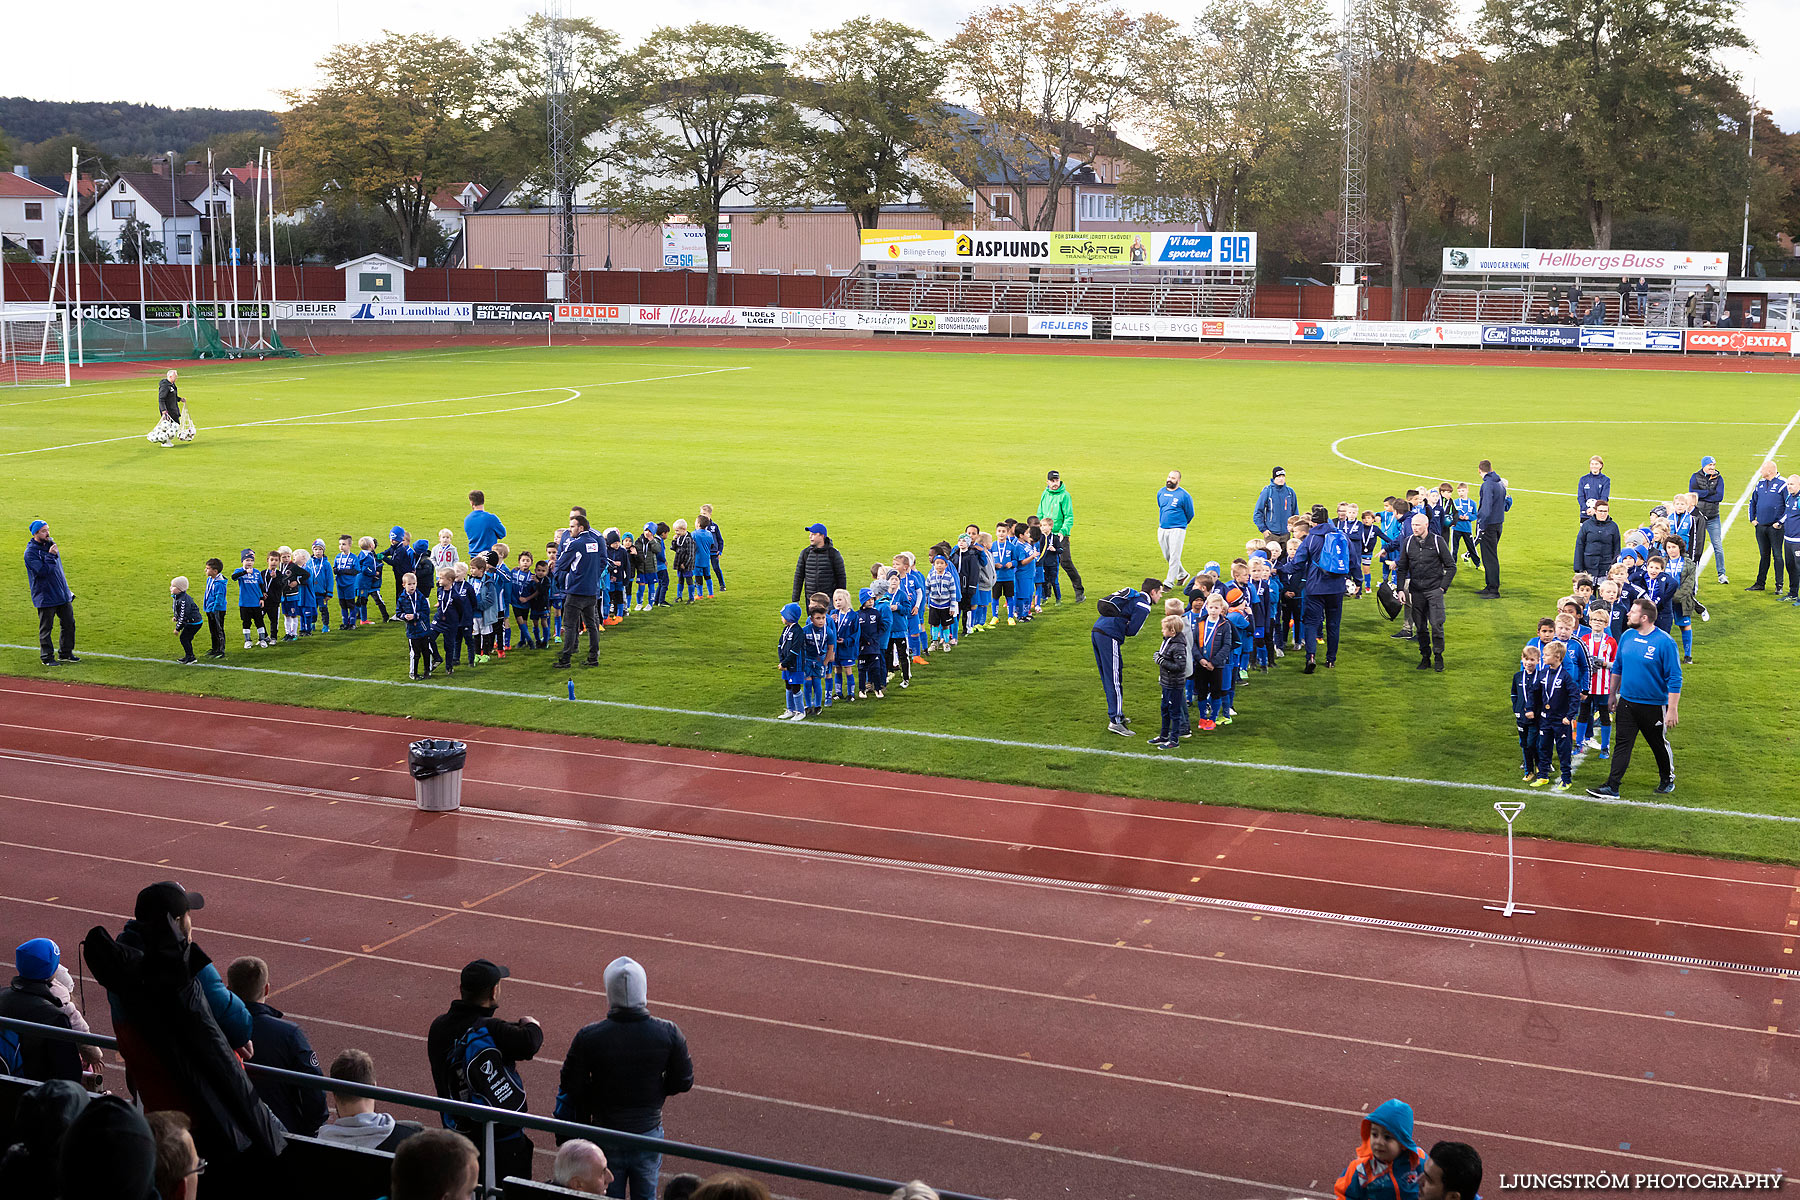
(787, 655)
(1388, 1164)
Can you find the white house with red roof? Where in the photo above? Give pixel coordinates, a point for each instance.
(179, 210)
(28, 214)
(449, 203)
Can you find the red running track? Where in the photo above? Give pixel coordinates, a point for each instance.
(862, 989)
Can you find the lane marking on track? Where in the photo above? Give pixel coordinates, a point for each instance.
(982, 1055)
(664, 804)
(1175, 898)
(1732, 516)
(1428, 475)
(971, 739)
(1044, 884)
(308, 420)
(1181, 815)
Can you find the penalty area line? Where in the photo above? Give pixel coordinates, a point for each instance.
(968, 739)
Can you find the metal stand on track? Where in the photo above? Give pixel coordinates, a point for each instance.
(1509, 809)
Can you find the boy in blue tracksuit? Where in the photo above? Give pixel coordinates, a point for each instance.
(1659, 588)
(662, 565)
(212, 604)
(250, 598)
(1028, 570)
(347, 571)
(1524, 706)
(413, 609)
(369, 588)
(815, 660)
(320, 569)
(452, 615)
(619, 550)
(1262, 597)
(846, 645)
(534, 596)
(787, 657)
(1463, 530)
(704, 546)
(1556, 705)
(871, 646)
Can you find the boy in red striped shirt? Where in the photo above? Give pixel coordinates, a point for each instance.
(1593, 728)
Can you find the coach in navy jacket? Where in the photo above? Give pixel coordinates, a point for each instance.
(1109, 636)
(1490, 515)
(1768, 502)
(581, 564)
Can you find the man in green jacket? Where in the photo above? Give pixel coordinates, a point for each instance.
(1055, 507)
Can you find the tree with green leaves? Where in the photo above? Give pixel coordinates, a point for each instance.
(135, 242)
(852, 135)
(1046, 84)
(701, 105)
(1616, 105)
(1238, 113)
(392, 122)
(515, 68)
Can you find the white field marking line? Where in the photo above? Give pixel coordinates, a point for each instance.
(145, 772)
(1417, 475)
(933, 1047)
(932, 735)
(1725, 530)
(307, 419)
(1186, 815)
(305, 793)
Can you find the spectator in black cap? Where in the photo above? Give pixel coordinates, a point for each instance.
(820, 567)
(475, 1056)
(178, 1026)
(1276, 505)
(1057, 510)
(108, 1154)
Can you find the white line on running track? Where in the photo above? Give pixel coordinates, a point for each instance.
(1351, 437)
(1129, 755)
(1725, 530)
(304, 420)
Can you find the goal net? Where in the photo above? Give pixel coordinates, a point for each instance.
(34, 347)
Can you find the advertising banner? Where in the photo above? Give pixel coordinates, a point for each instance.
(1556, 336)
(1613, 264)
(947, 323)
(314, 310)
(893, 322)
(604, 314)
(1602, 337)
(684, 247)
(509, 310)
(1062, 325)
(817, 318)
(408, 310)
(1740, 341)
(1160, 327)
(1112, 248)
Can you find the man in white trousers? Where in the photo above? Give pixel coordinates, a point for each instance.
(1174, 510)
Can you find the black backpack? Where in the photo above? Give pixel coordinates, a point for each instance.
(1119, 603)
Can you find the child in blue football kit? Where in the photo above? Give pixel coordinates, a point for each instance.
(370, 586)
(787, 657)
(534, 594)
(213, 606)
(413, 609)
(703, 556)
(871, 646)
(250, 598)
(1003, 556)
(346, 570)
(1524, 706)
(815, 658)
(301, 601)
(1556, 702)
(845, 627)
(318, 568)
(451, 616)
(1464, 528)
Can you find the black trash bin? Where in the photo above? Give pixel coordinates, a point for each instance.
(437, 770)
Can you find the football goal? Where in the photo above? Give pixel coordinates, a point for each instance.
(34, 347)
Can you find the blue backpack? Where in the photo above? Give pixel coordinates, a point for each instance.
(1334, 552)
(482, 1074)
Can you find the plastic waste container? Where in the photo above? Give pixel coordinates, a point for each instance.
(437, 771)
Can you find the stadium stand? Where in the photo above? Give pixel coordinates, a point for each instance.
(1217, 294)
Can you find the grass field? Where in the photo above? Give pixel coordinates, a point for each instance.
(895, 451)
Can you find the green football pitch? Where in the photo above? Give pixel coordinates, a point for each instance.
(895, 451)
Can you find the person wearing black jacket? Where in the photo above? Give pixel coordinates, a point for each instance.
(277, 1043)
(618, 1073)
(1597, 545)
(1490, 518)
(512, 1042)
(30, 999)
(820, 567)
(1422, 574)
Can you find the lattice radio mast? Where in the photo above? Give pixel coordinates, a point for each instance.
(565, 253)
(1353, 192)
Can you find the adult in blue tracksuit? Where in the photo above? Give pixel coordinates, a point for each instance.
(1174, 512)
(1490, 515)
(1109, 635)
(481, 527)
(1768, 504)
(1708, 487)
(1323, 608)
(581, 571)
(1275, 507)
(50, 594)
(1790, 535)
(1591, 488)
(1646, 697)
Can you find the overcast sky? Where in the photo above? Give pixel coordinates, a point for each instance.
(250, 52)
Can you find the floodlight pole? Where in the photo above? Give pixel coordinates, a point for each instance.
(1509, 809)
(1744, 255)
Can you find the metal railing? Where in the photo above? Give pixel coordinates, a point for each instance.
(488, 1118)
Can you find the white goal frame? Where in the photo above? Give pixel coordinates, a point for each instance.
(34, 346)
